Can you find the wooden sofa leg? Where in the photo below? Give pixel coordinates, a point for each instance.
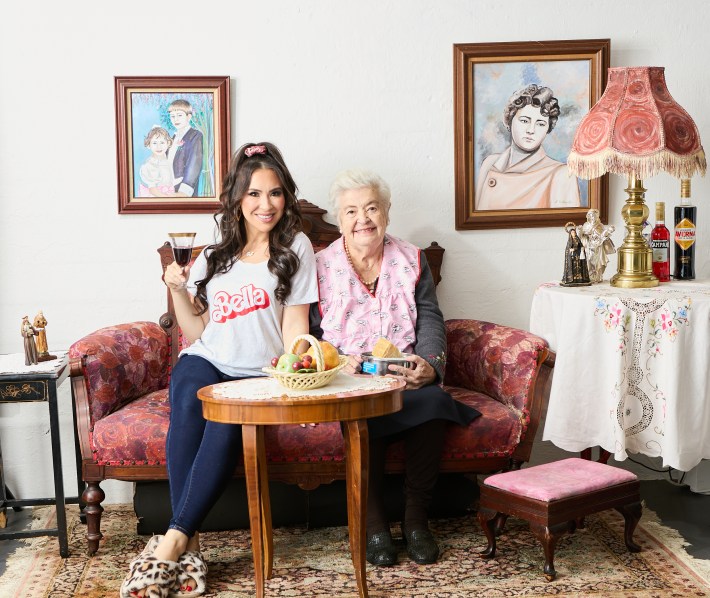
(93, 496)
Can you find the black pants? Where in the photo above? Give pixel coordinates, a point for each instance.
(422, 448)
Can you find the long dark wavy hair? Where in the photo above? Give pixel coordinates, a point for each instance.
(283, 262)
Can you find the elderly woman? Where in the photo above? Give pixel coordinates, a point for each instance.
(524, 177)
(374, 285)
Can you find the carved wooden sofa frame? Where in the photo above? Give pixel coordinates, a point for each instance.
(119, 377)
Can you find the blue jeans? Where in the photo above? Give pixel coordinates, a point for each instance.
(201, 455)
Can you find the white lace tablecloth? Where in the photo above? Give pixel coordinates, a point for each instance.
(268, 388)
(14, 363)
(631, 373)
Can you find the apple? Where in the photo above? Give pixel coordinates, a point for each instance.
(285, 362)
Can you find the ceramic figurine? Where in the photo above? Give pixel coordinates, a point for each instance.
(40, 324)
(28, 333)
(596, 238)
(576, 272)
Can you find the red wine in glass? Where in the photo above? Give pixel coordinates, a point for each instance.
(182, 255)
(182, 247)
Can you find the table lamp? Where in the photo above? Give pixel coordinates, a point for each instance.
(636, 129)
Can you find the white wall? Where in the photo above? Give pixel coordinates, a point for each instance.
(335, 84)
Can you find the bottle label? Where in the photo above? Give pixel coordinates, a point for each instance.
(685, 233)
(661, 251)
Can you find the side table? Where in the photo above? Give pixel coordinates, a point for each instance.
(254, 403)
(38, 383)
(631, 374)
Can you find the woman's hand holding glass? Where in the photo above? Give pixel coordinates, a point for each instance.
(176, 277)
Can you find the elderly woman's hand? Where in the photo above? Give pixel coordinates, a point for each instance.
(420, 374)
(354, 365)
(176, 277)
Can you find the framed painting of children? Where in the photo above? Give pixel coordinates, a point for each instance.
(517, 106)
(173, 143)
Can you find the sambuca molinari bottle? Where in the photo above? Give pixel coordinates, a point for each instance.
(684, 218)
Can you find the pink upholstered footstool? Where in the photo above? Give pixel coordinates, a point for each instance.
(552, 497)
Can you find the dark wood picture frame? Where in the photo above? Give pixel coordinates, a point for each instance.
(142, 114)
(591, 56)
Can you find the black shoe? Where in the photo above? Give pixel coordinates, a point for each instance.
(381, 550)
(421, 546)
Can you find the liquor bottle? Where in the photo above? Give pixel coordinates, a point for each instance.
(684, 218)
(661, 245)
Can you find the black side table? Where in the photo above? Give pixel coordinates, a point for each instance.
(37, 383)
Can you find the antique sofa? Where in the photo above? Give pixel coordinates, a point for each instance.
(120, 377)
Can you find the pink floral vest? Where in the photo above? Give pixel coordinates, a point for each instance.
(352, 318)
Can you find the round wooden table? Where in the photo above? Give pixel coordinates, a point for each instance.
(352, 408)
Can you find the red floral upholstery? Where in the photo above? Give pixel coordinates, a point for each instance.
(483, 358)
(122, 363)
(134, 434)
(498, 361)
(294, 444)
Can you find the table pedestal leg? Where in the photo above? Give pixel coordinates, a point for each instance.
(259, 504)
(357, 464)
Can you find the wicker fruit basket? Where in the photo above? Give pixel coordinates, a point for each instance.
(307, 381)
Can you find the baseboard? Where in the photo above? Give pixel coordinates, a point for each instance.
(325, 506)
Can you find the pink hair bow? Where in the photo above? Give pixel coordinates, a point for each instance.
(254, 149)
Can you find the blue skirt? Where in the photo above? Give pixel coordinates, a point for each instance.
(419, 406)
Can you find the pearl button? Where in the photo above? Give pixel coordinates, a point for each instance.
(492, 182)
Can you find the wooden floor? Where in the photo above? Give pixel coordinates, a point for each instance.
(683, 510)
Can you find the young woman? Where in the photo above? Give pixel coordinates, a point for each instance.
(245, 298)
(524, 177)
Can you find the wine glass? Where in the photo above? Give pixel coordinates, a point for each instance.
(182, 247)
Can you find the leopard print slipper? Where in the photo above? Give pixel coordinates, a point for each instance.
(146, 571)
(193, 569)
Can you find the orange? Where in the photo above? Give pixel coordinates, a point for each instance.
(330, 355)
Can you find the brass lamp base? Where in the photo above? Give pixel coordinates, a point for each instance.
(635, 267)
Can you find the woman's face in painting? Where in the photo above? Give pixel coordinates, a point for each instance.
(529, 128)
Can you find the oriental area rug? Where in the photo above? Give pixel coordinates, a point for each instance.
(309, 563)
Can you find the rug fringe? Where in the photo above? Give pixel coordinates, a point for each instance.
(674, 541)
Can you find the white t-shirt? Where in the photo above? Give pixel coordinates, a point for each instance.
(244, 329)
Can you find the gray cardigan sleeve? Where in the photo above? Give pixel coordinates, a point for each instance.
(430, 343)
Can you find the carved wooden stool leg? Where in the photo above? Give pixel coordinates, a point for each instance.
(487, 519)
(548, 537)
(632, 514)
(499, 524)
(93, 496)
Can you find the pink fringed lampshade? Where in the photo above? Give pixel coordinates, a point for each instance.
(637, 128)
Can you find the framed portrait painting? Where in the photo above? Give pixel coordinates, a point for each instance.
(517, 106)
(173, 143)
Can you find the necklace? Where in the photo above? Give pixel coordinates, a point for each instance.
(372, 283)
(253, 252)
